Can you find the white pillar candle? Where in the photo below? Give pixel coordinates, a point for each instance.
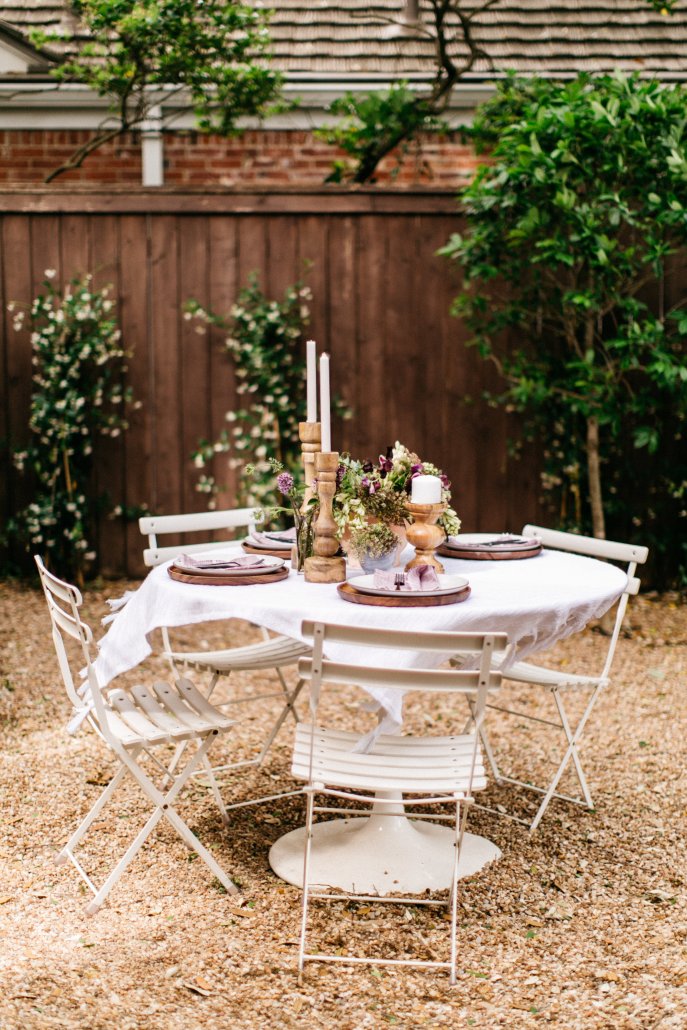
(325, 415)
(311, 354)
(426, 490)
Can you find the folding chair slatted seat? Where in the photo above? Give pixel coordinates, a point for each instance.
(557, 682)
(133, 723)
(272, 653)
(430, 771)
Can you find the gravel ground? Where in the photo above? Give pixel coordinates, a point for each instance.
(581, 925)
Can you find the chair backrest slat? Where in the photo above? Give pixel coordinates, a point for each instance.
(560, 541)
(153, 526)
(433, 680)
(394, 639)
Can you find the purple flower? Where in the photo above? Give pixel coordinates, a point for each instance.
(371, 485)
(385, 464)
(417, 470)
(367, 465)
(285, 482)
(445, 481)
(340, 473)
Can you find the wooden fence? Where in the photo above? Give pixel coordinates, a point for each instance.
(381, 301)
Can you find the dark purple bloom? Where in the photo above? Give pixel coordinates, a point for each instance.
(367, 465)
(385, 464)
(445, 481)
(417, 470)
(285, 482)
(340, 473)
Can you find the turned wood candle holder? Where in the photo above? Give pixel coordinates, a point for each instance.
(310, 434)
(323, 566)
(424, 534)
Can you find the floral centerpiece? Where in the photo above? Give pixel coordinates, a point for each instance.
(368, 492)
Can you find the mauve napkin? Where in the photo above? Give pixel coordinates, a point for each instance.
(247, 561)
(280, 539)
(421, 577)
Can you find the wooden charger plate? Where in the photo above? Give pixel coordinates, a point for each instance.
(228, 580)
(401, 599)
(276, 553)
(487, 554)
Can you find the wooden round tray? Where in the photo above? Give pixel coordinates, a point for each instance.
(228, 581)
(402, 599)
(488, 554)
(276, 553)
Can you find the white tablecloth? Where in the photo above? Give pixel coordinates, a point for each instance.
(537, 601)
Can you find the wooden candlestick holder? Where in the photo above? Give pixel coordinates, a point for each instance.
(323, 566)
(310, 434)
(424, 534)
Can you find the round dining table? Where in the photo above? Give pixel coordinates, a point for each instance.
(536, 601)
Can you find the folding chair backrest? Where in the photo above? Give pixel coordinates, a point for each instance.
(64, 601)
(629, 555)
(480, 649)
(205, 522)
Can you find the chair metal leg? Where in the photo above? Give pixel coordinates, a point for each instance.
(82, 829)
(306, 884)
(163, 807)
(569, 753)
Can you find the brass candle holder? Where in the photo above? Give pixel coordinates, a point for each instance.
(310, 434)
(424, 534)
(323, 566)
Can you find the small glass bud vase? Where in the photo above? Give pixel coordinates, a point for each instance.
(368, 562)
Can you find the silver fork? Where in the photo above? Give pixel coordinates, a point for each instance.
(399, 580)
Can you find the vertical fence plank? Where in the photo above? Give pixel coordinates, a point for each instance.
(110, 465)
(194, 393)
(134, 279)
(223, 288)
(17, 368)
(342, 304)
(163, 342)
(368, 394)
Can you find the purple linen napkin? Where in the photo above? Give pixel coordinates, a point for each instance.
(421, 577)
(283, 540)
(248, 561)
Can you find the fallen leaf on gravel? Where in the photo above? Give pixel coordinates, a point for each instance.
(658, 896)
(6, 898)
(198, 986)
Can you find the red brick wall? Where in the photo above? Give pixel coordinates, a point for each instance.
(258, 158)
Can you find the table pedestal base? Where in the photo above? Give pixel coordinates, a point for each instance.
(380, 855)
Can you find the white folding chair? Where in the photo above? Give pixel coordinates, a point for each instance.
(434, 770)
(558, 681)
(134, 723)
(275, 653)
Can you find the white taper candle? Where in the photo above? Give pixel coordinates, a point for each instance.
(325, 414)
(311, 355)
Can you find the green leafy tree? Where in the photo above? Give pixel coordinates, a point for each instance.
(581, 209)
(371, 126)
(209, 57)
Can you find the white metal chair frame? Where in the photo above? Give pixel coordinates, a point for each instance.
(133, 723)
(558, 682)
(434, 770)
(273, 653)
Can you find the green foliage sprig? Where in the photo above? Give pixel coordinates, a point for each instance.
(78, 395)
(265, 345)
(208, 57)
(373, 125)
(582, 207)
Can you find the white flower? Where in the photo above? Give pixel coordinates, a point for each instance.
(50, 273)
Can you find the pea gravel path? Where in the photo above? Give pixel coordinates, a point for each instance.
(583, 925)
